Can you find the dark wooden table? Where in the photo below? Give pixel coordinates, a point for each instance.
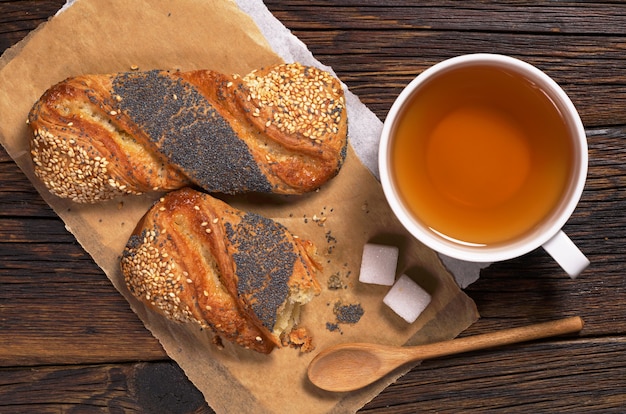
(70, 343)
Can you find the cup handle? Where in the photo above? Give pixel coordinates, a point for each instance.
(566, 254)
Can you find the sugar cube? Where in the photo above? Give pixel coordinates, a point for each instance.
(378, 264)
(407, 298)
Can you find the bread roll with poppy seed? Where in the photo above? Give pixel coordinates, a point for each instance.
(193, 258)
(281, 129)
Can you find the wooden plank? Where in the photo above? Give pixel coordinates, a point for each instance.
(526, 378)
(18, 197)
(503, 16)
(160, 387)
(57, 306)
(18, 18)
(29, 230)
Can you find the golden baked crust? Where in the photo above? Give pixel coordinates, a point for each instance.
(84, 150)
(281, 129)
(193, 258)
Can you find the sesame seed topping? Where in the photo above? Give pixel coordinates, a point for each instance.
(307, 100)
(148, 274)
(73, 170)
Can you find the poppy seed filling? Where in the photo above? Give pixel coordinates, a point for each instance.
(189, 131)
(264, 264)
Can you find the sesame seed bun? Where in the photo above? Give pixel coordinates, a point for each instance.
(195, 259)
(281, 129)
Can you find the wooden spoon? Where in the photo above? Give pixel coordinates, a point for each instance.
(347, 367)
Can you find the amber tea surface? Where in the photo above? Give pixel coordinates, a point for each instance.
(481, 155)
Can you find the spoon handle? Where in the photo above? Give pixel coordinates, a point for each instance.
(499, 338)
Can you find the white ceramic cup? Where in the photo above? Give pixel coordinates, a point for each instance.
(548, 233)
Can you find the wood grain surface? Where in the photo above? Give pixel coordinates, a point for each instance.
(70, 343)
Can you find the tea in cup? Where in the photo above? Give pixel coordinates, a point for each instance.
(483, 158)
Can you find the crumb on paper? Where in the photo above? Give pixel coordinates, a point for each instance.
(335, 282)
(320, 220)
(217, 341)
(339, 280)
(321, 217)
(299, 338)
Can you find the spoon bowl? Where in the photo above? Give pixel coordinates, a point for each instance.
(348, 367)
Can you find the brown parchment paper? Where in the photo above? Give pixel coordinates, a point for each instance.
(98, 36)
